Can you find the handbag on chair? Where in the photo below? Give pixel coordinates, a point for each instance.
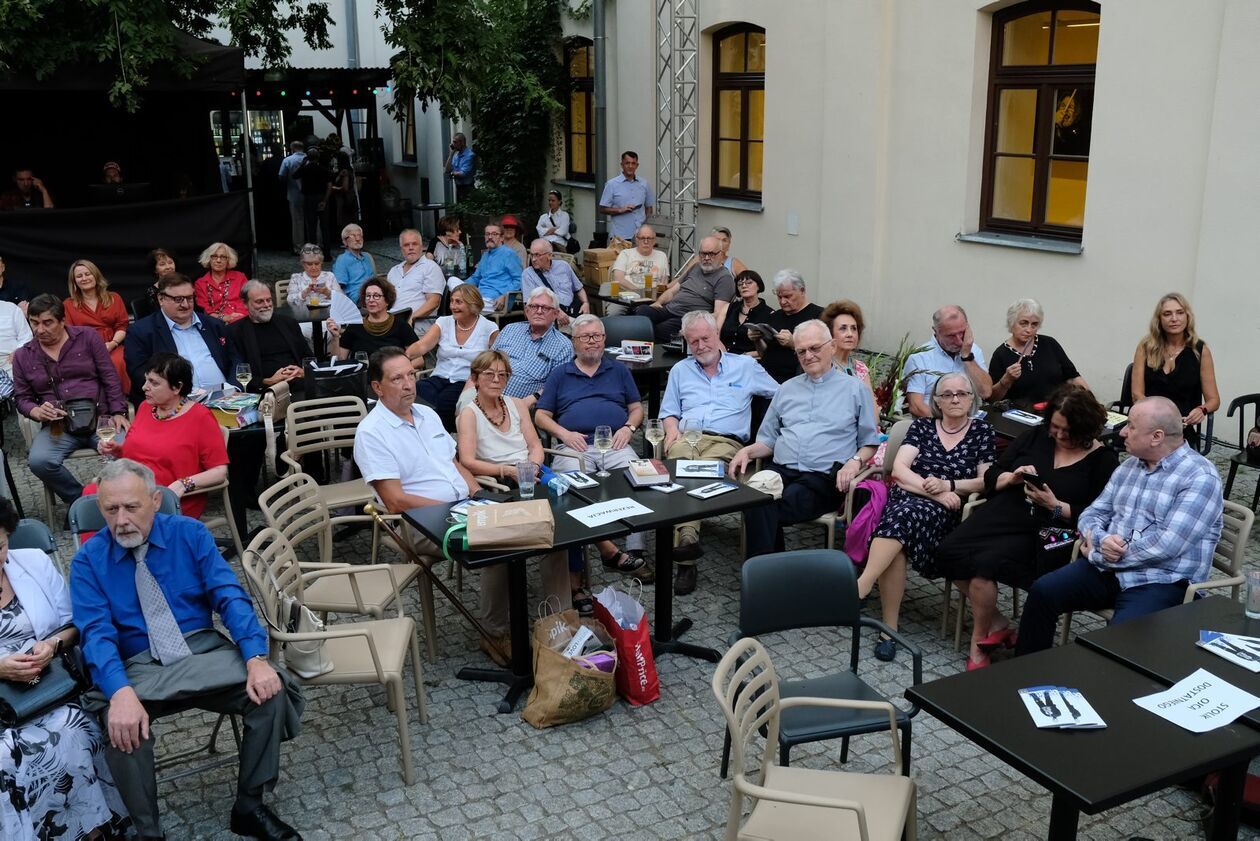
(62, 681)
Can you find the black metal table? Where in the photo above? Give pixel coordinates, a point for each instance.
(647, 376)
(1162, 644)
(1090, 770)
(314, 316)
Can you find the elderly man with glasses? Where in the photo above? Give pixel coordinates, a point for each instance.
(706, 286)
(177, 328)
(558, 276)
(634, 264)
(534, 346)
(819, 432)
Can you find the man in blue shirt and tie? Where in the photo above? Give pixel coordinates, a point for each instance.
(144, 591)
(627, 199)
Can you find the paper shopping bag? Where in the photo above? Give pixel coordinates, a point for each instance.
(511, 525)
(626, 622)
(567, 688)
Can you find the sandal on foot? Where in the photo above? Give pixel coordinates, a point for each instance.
(624, 563)
(583, 602)
(885, 650)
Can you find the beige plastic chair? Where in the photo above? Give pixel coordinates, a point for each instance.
(795, 803)
(368, 652)
(217, 522)
(30, 429)
(1227, 558)
(327, 424)
(282, 291)
(293, 506)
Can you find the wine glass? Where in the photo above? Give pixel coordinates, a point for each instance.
(691, 434)
(603, 443)
(105, 430)
(654, 432)
(244, 375)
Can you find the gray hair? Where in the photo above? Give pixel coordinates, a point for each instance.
(542, 290)
(786, 277)
(312, 250)
(813, 324)
(947, 312)
(122, 467)
(297, 146)
(936, 390)
(250, 285)
(345, 232)
(1023, 305)
(696, 317)
(406, 231)
(583, 320)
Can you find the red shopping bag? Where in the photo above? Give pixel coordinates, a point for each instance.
(626, 622)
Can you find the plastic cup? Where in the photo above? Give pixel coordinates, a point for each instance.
(526, 475)
(1252, 607)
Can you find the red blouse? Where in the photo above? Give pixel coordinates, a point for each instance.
(218, 301)
(181, 446)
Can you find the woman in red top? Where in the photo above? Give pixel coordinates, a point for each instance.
(176, 438)
(91, 304)
(218, 291)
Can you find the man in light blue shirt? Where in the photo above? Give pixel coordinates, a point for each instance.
(354, 265)
(293, 191)
(499, 271)
(820, 429)
(627, 199)
(713, 390)
(559, 277)
(951, 350)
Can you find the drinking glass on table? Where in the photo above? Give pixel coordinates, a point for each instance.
(692, 431)
(654, 432)
(244, 375)
(526, 476)
(603, 443)
(105, 431)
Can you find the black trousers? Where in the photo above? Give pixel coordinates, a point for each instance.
(806, 496)
(664, 323)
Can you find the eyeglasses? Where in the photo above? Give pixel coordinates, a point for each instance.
(374, 296)
(814, 350)
(953, 395)
(710, 253)
(590, 337)
(493, 375)
(540, 308)
(748, 281)
(179, 299)
(218, 256)
(645, 239)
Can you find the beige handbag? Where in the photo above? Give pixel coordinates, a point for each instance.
(511, 525)
(274, 404)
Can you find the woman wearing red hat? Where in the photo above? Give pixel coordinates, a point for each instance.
(512, 237)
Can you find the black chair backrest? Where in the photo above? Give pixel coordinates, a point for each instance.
(1242, 402)
(637, 328)
(33, 534)
(1126, 391)
(142, 306)
(807, 588)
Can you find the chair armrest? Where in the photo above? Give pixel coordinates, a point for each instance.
(852, 704)
(848, 497)
(1233, 581)
(340, 632)
(581, 457)
(492, 484)
(783, 796)
(291, 461)
(352, 572)
(916, 654)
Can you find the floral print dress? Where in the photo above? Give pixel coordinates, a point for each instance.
(54, 782)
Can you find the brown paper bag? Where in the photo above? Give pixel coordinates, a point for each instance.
(565, 691)
(511, 525)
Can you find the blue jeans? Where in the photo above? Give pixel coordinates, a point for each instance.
(47, 457)
(1082, 586)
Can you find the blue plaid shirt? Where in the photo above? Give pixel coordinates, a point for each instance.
(532, 359)
(1169, 516)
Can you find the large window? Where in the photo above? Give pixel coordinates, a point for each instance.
(739, 105)
(579, 115)
(1041, 108)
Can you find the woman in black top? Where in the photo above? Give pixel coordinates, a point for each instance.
(747, 307)
(1028, 366)
(380, 328)
(1172, 361)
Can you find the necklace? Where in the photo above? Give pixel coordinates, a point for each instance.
(183, 401)
(949, 431)
(500, 417)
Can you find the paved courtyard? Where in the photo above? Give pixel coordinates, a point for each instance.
(646, 773)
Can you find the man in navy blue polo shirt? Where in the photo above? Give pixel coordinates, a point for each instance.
(592, 391)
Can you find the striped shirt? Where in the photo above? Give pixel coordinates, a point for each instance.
(1170, 517)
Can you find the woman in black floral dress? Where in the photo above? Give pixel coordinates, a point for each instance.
(941, 461)
(54, 783)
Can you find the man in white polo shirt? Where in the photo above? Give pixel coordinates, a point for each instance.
(418, 281)
(951, 350)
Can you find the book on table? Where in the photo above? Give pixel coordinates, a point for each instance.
(642, 472)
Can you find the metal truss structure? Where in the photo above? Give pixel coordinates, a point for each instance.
(677, 121)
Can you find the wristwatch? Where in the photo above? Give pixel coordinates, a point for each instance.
(631, 427)
(971, 357)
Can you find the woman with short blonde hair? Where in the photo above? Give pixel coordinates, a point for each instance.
(218, 291)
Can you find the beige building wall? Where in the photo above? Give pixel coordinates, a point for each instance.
(875, 115)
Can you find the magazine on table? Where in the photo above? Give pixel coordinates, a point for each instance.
(1060, 707)
(1239, 650)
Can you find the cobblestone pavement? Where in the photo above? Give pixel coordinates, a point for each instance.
(646, 773)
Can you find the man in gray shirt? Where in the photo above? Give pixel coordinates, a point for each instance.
(707, 286)
(820, 430)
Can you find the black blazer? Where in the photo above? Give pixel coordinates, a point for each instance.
(151, 334)
(243, 336)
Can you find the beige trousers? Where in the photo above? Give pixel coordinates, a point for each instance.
(554, 568)
(710, 447)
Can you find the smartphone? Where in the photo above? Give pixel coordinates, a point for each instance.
(1034, 480)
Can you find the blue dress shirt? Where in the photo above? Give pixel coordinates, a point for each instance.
(621, 191)
(351, 271)
(193, 576)
(464, 166)
(498, 272)
(192, 346)
(813, 423)
(722, 404)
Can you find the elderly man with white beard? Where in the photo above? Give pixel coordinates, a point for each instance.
(271, 342)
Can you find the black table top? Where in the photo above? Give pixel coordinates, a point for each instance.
(1003, 426)
(1162, 644)
(303, 314)
(661, 361)
(431, 520)
(671, 508)
(1135, 754)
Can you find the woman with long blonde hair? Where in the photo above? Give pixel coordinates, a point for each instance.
(91, 304)
(1172, 361)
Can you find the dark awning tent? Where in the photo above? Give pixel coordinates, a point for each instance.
(64, 128)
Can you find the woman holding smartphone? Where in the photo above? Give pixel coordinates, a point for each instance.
(1041, 483)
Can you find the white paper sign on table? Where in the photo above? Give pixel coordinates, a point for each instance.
(606, 512)
(1200, 703)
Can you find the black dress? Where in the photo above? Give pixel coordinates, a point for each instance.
(916, 522)
(1182, 385)
(735, 339)
(1045, 369)
(779, 361)
(356, 337)
(1000, 540)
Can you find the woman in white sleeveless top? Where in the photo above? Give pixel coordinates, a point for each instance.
(459, 338)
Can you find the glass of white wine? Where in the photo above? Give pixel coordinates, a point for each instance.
(244, 375)
(105, 431)
(692, 431)
(603, 443)
(654, 432)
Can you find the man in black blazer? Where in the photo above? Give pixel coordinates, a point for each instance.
(177, 328)
(270, 341)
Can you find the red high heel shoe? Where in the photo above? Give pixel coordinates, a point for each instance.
(972, 665)
(1005, 638)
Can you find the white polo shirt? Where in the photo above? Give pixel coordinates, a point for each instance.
(420, 454)
(423, 278)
